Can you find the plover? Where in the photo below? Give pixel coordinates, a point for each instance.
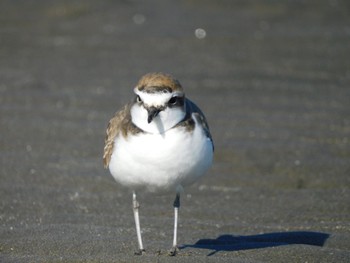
(160, 142)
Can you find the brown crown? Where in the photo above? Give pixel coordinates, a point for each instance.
(158, 82)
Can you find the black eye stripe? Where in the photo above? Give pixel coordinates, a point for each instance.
(138, 99)
(176, 101)
(173, 100)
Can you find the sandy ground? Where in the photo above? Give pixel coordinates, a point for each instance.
(273, 79)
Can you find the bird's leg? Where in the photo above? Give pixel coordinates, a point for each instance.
(136, 206)
(174, 249)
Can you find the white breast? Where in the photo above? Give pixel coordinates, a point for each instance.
(159, 162)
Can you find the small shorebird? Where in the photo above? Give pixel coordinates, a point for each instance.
(159, 142)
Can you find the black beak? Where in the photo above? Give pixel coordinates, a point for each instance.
(152, 113)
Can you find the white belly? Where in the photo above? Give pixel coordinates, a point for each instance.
(161, 162)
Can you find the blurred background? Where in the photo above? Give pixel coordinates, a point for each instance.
(272, 78)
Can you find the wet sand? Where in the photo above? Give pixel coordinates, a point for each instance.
(273, 80)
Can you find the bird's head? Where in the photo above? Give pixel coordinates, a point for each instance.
(159, 103)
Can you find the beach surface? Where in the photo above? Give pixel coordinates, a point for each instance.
(273, 79)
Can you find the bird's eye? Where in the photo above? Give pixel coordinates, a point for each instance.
(138, 98)
(173, 100)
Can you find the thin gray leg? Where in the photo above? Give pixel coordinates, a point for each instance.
(136, 206)
(174, 249)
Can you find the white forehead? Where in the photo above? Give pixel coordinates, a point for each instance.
(154, 99)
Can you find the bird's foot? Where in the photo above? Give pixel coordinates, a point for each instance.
(173, 251)
(140, 252)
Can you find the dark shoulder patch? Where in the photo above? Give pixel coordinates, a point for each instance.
(192, 108)
(128, 127)
(187, 123)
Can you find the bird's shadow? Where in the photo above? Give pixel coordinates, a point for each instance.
(235, 243)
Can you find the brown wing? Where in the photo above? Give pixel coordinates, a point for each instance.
(115, 126)
(112, 131)
(120, 123)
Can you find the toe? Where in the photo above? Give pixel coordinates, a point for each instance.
(173, 251)
(140, 252)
